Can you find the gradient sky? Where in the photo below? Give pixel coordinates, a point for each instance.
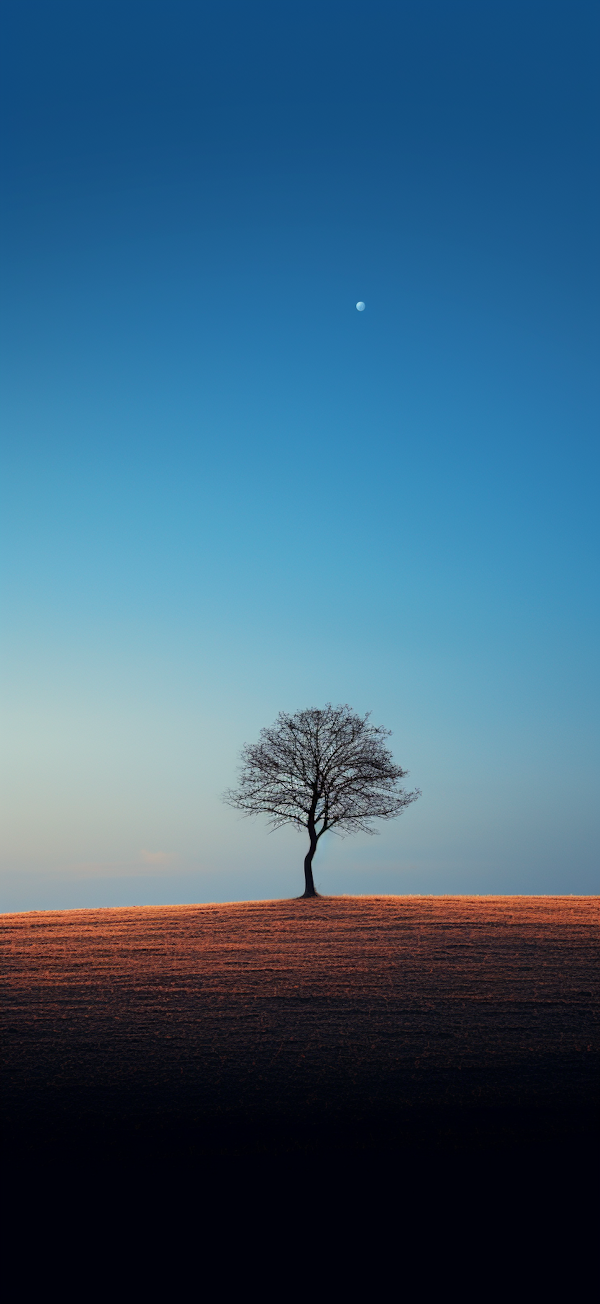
(227, 493)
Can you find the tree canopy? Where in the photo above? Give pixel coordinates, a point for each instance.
(321, 769)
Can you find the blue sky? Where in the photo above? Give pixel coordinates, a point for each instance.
(226, 493)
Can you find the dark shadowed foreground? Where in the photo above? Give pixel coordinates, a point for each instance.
(303, 1039)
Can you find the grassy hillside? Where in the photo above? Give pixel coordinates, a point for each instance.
(244, 1022)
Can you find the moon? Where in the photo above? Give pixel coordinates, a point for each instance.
(360, 307)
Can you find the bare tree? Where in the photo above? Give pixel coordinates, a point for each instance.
(321, 770)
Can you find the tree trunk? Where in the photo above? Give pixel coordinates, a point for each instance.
(310, 890)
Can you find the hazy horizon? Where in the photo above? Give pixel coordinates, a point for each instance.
(227, 493)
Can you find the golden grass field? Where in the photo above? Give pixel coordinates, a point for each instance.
(275, 1010)
(344, 1098)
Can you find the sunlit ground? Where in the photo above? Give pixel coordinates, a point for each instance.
(291, 1009)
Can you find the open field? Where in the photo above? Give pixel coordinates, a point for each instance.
(201, 1098)
(296, 1014)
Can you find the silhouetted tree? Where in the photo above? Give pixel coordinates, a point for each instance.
(321, 770)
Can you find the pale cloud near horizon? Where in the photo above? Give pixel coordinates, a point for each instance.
(144, 863)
